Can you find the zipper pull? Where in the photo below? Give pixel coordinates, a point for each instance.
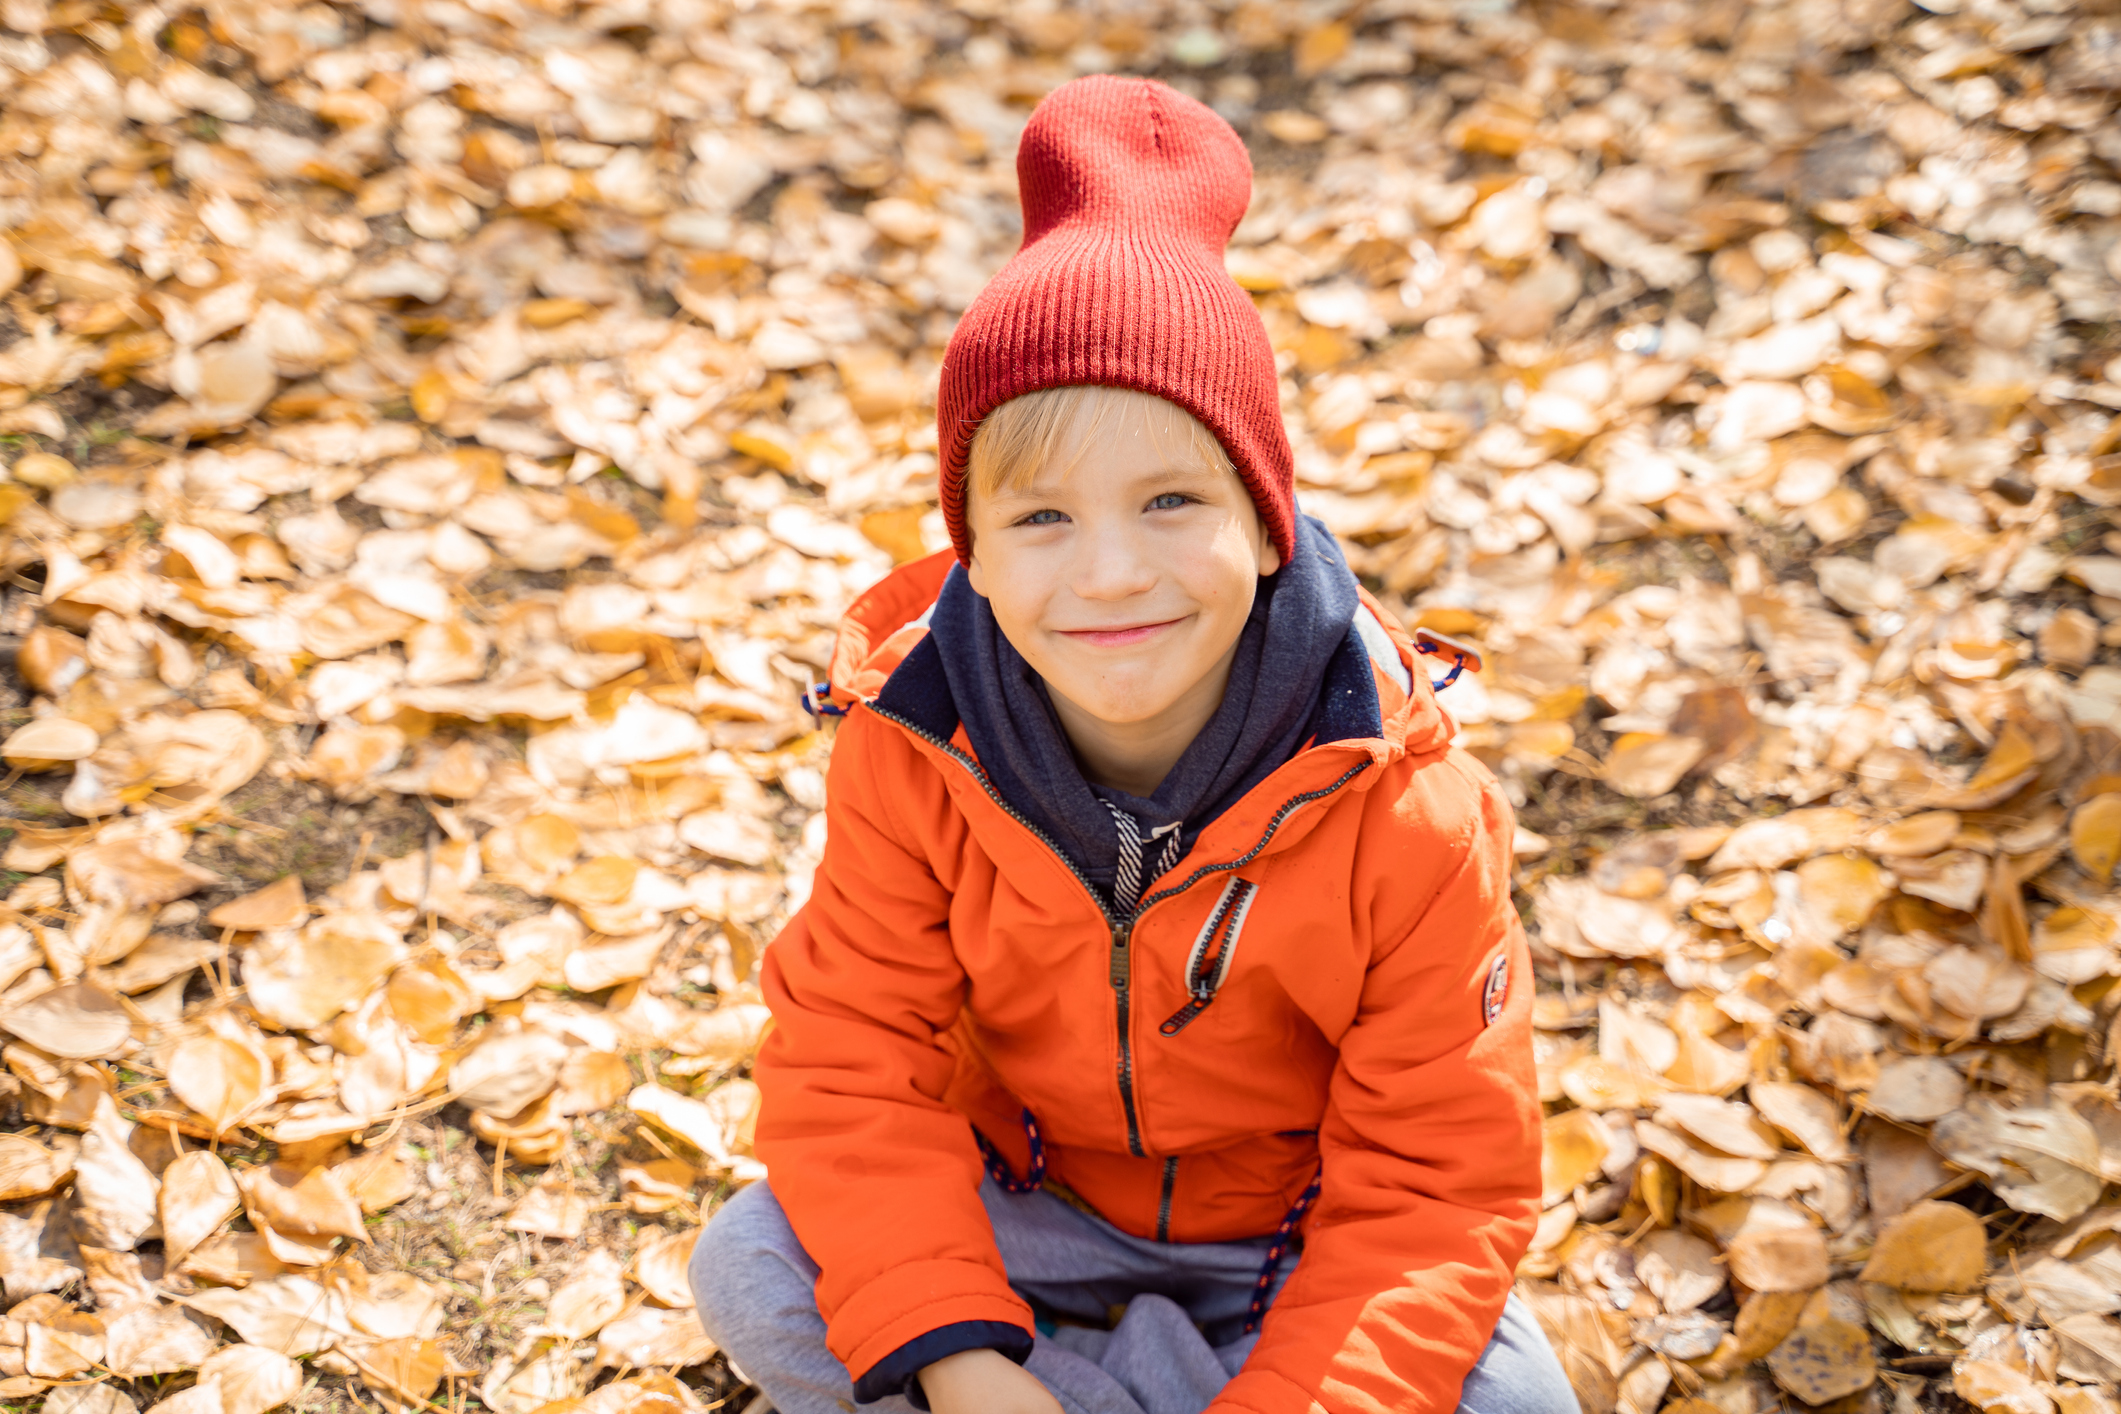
(1120, 932)
(1179, 1019)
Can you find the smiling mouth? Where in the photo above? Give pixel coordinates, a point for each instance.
(1117, 637)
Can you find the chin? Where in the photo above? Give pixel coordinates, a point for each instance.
(1123, 708)
(1124, 714)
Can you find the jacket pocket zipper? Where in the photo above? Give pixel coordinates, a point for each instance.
(1209, 962)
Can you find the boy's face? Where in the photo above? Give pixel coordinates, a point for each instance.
(1125, 573)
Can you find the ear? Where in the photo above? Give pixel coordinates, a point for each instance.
(975, 573)
(1269, 557)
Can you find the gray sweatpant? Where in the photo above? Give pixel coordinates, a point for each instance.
(1179, 1342)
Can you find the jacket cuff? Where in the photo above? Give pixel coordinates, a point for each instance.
(905, 1302)
(900, 1371)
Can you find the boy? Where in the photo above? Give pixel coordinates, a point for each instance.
(1153, 891)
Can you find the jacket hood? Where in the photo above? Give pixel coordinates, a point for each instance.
(884, 627)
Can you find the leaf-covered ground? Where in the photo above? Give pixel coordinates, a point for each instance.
(441, 435)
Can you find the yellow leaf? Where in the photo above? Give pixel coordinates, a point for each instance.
(1576, 1145)
(551, 313)
(2095, 835)
(758, 447)
(1843, 889)
(896, 532)
(1931, 1247)
(1917, 835)
(606, 879)
(432, 392)
(1317, 50)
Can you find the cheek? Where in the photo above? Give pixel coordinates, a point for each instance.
(1013, 588)
(1221, 570)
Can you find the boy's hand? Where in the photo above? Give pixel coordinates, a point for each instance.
(984, 1382)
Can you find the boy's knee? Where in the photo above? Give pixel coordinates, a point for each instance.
(1519, 1372)
(746, 1248)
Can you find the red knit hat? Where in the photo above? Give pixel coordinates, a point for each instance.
(1130, 192)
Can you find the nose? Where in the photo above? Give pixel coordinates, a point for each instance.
(1112, 564)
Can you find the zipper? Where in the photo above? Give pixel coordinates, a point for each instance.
(1122, 992)
(1119, 971)
(1209, 963)
(1163, 1203)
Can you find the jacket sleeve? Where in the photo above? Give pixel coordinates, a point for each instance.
(1430, 1140)
(879, 1178)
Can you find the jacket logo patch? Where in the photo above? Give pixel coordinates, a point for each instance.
(1496, 991)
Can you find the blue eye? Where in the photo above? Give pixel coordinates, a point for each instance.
(1170, 501)
(1045, 517)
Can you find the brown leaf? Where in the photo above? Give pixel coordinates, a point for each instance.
(1915, 1089)
(649, 1336)
(406, 1367)
(552, 1209)
(79, 1020)
(310, 1205)
(1647, 764)
(2038, 1159)
(376, 1180)
(251, 1379)
(302, 980)
(124, 873)
(114, 1194)
(63, 1345)
(1803, 1113)
(1724, 1125)
(1707, 1167)
(291, 1315)
(588, 1300)
(590, 1081)
(29, 1170)
(663, 1264)
(1680, 1269)
(278, 905)
(48, 744)
(1930, 1247)
(1770, 844)
(147, 1340)
(219, 1079)
(1779, 1259)
(604, 880)
(1824, 1361)
(198, 1195)
(1996, 1388)
(509, 1069)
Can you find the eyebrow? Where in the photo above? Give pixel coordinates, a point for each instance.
(1163, 476)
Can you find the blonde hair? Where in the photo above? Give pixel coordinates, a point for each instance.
(1038, 429)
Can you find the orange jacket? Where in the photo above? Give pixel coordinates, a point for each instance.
(950, 966)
